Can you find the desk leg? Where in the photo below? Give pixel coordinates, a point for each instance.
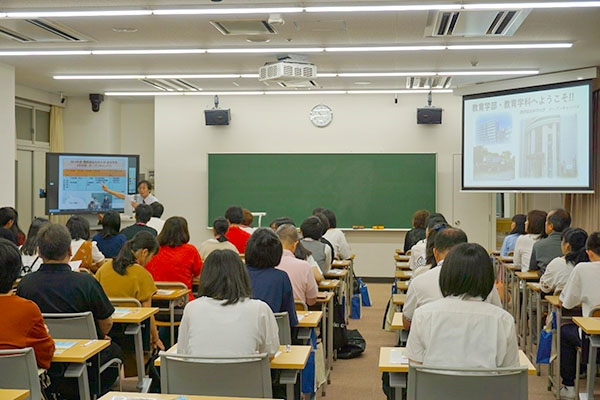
(530, 303)
(538, 320)
(557, 372)
(329, 337)
(143, 383)
(172, 320)
(79, 372)
(504, 285)
(591, 370)
(398, 382)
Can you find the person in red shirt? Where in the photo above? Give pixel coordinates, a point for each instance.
(22, 322)
(236, 235)
(176, 260)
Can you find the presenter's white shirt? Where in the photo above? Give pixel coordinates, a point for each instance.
(523, 249)
(339, 242)
(156, 223)
(556, 275)
(208, 328)
(148, 200)
(425, 289)
(417, 255)
(583, 287)
(97, 255)
(455, 332)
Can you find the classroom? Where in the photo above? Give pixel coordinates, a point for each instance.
(356, 199)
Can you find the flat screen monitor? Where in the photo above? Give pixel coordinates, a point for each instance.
(528, 140)
(74, 182)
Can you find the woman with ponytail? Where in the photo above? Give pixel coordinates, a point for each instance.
(220, 242)
(127, 277)
(558, 271)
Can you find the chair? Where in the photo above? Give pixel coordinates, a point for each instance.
(594, 313)
(165, 311)
(428, 383)
(245, 376)
(20, 371)
(300, 305)
(283, 323)
(125, 302)
(78, 326)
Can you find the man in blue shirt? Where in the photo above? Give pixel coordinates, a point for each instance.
(263, 254)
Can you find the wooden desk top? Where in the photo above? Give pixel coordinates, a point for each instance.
(589, 325)
(553, 300)
(135, 395)
(386, 366)
(295, 359)
(80, 352)
(400, 252)
(513, 267)
(402, 285)
(401, 258)
(133, 315)
(329, 284)
(310, 319)
(397, 323)
(402, 274)
(13, 394)
(495, 252)
(535, 286)
(326, 299)
(506, 260)
(336, 273)
(401, 265)
(175, 294)
(341, 263)
(399, 299)
(528, 276)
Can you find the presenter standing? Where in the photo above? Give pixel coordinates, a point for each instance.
(143, 197)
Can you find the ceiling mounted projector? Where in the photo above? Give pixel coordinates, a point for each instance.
(288, 69)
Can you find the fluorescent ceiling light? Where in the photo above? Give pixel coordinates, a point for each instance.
(399, 91)
(267, 50)
(7, 53)
(513, 6)
(280, 92)
(476, 73)
(408, 7)
(97, 77)
(148, 51)
(382, 48)
(87, 13)
(306, 92)
(225, 11)
(510, 46)
(382, 74)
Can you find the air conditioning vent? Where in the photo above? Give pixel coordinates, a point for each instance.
(39, 31)
(171, 85)
(433, 82)
(298, 84)
(244, 27)
(474, 23)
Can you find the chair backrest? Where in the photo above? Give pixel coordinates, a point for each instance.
(246, 376)
(300, 305)
(595, 311)
(19, 371)
(171, 285)
(283, 323)
(71, 326)
(125, 302)
(426, 383)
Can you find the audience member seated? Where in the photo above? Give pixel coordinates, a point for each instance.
(236, 235)
(300, 272)
(558, 271)
(418, 253)
(225, 320)
(270, 285)
(177, 260)
(19, 234)
(22, 322)
(337, 237)
(425, 288)
(110, 241)
(461, 330)
(82, 248)
(55, 288)
(29, 254)
(549, 248)
(417, 232)
(219, 242)
(301, 252)
(247, 221)
(312, 230)
(7, 219)
(517, 228)
(430, 260)
(126, 277)
(534, 228)
(156, 222)
(277, 222)
(143, 213)
(581, 288)
(325, 224)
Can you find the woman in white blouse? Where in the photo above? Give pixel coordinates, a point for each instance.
(535, 228)
(29, 255)
(558, 271)
(224, 320)
(461, 330)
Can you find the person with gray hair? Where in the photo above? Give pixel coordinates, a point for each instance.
(300, 272)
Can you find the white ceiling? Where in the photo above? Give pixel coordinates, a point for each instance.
(577, 25)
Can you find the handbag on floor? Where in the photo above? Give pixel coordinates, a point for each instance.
(355, 307)
(544, 350)
(364, 293)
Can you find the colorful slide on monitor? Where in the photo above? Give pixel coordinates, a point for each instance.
(529, 139)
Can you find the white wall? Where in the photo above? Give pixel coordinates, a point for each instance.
(362, 123)
(8, 149)
(137, 132)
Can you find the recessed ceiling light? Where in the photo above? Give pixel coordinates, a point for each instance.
(125, 30)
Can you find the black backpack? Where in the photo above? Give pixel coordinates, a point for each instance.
(340, 338)
(355, 347)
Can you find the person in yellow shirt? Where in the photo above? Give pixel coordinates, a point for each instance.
(126, 277)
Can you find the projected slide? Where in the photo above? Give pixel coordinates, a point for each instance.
(536, 139)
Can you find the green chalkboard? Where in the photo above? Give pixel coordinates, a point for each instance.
(362, 189)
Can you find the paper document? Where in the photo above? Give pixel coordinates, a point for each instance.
(163, 292)
(325, 282)
(75, 264)
(397, 357)
(277, 354)
(120, 312)
(60, 347)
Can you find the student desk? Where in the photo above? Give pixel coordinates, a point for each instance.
(535, 296)
(173, 296)
(398, 300)
(132, 396)
(77, 356)
(309, 319)
(402, 262)
(398, 326)
(348, 266)
(523, 278)
(13, 394)
(400, 252)
(294, 360)
(403, 275)
(133, 318)
(334, 284)
(402, 286)
(326, 303)
(344, 275)
(554, 373)
(399, 371)
(503, 263)
(591, 326)
(511, 269)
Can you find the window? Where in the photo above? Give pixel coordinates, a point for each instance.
(32, 123)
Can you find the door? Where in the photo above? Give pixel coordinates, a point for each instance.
(472, 212)
(25, 187)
